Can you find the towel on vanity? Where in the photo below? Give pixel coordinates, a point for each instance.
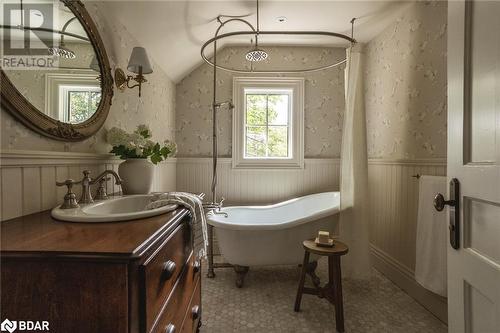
(194, 204)
(432, 227)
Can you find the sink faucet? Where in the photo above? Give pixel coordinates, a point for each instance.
(101, 179)
(101, 191)
(87, 181)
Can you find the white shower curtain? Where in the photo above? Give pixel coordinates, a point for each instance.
(354, 172)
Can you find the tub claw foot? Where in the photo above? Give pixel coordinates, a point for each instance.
(311, 271)
(241, 271)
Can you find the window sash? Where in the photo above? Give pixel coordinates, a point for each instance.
(88, 95)
(65, 99)
(289, 129)
(294, 87)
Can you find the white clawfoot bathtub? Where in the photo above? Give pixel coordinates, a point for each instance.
(273, 235)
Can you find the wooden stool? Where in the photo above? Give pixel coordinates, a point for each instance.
(332, 291)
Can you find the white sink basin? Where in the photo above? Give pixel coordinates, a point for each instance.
(123, 208)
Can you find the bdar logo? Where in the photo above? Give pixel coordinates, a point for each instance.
(8, 326)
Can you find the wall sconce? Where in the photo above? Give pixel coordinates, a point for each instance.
(138, 64)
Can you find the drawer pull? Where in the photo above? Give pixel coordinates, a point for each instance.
(197, 266)
(196, 312)
(170, 328)
(168, 269)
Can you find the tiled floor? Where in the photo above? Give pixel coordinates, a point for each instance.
(265, 304)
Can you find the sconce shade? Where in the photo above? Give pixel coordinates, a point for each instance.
(138, 58)
(94, 65)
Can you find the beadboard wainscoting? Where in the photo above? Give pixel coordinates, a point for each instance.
(393, 224)
(257, 186)
(28, 178)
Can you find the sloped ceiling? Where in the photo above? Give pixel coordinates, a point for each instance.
(174, 31)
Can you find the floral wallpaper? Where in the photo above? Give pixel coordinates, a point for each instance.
(324, 100)
(155, 107)
(406, 83)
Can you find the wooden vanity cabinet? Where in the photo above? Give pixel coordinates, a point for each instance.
(135, 276)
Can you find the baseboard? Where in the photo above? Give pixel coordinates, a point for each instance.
(404, 279)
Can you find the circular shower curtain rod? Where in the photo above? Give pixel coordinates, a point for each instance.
(309, 33)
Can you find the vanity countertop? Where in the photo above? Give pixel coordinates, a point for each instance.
(40, 233)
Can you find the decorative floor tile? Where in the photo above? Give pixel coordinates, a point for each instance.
(265, 304)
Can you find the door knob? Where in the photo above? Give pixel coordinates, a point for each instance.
(454, 217)
(440, 202)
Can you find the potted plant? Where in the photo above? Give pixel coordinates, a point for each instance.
(140, 154)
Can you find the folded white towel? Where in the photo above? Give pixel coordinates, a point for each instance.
(194, 204)
(430, 265)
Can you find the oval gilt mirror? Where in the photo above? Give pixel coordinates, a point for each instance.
(55, 74)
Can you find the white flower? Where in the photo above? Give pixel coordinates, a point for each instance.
(144, 131)
(117, 137)
(172, 146)
(138, 151)
(137, 140)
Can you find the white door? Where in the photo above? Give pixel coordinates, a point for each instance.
(474, 159)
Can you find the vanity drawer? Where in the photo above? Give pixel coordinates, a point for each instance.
(177, 305)
(193, 314)
(161, 271)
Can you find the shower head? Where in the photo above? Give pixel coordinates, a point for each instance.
(256, 55)
(62, 51)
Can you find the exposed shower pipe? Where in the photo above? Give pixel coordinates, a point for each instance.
(215, 205)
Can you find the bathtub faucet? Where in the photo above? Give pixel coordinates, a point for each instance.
(215, 207)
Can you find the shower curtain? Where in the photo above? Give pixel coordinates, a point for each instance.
(354, 172)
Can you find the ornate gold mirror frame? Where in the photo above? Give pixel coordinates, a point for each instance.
(18, 106)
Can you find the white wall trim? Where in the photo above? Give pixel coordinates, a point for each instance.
(404, 277)
(228, 160)
(421, 161)
(371, 161)
(16, 158)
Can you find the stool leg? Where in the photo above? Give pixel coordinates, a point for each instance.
(311, 270)
(337, 291)
(301, 282)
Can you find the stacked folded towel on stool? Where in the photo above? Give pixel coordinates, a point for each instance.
(194, 204)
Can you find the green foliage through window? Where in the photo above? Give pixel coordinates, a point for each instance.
(267, 125)
(82, 105)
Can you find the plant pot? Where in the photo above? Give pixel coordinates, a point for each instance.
(137, 176)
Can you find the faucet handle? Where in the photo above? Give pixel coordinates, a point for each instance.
(70, 196)
(68, 182)
(221, 201)
(101, 193)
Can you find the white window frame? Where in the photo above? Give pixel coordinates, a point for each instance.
(296, 121)
(82, 77)
(64, 100)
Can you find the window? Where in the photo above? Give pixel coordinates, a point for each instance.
(78, 103)
(72, 97)
(268, 122)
